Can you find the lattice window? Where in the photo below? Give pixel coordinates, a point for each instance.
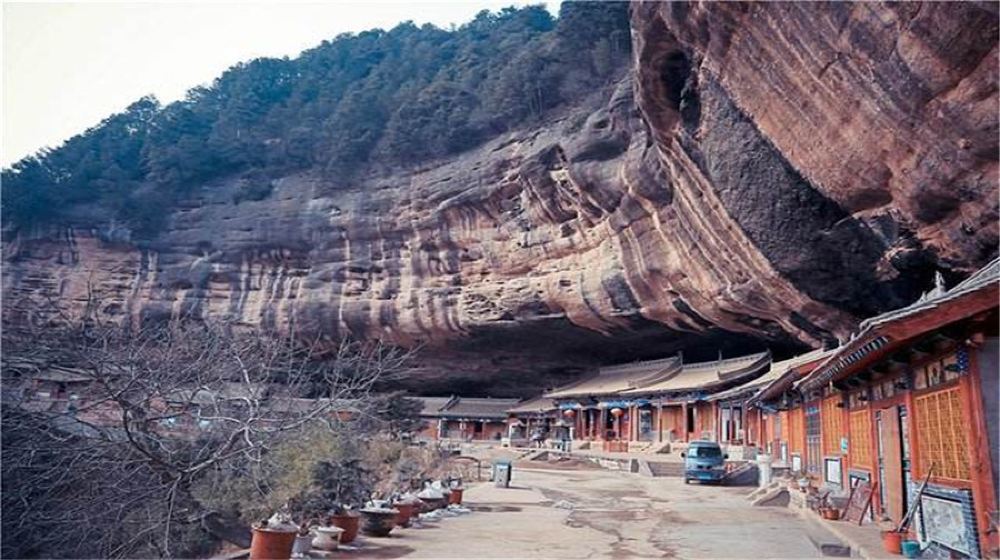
(833, 425)
(941, 434)
(813, 443)
(860, 446)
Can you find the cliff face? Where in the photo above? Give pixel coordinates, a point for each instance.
(767, 175)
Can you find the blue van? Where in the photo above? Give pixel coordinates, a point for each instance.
(704, 461)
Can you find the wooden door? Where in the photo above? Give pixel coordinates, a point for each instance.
(892, 462)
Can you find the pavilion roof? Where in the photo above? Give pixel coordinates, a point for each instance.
(706, 375)
(432, 406)
(485, 408)
(777, 376)
(883, 333)
(537, 405)
(612, 380)
(465, 407)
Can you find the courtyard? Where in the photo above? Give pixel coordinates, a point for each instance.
(596, 513)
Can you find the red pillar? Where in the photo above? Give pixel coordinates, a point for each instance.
(659, 422)
(684, 421)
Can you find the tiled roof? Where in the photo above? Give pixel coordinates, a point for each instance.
(478, 408)
(432, 406)
(615, 379)
(536, 405)
(989, 274)
(465, 407)
(774, 376)
(705, 375)
(871, 336)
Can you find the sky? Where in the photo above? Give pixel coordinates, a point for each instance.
(67, 66)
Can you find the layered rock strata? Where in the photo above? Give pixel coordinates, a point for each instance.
(765, 175)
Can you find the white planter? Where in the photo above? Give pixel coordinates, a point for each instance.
(327, 538)
(302, 546)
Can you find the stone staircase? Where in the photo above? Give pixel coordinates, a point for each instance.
(662, 468)
(640, 446)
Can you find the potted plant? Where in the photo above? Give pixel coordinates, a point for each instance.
(432, 497)
(338, 486)
(273, 538)
(348, 521)
(827, 510)
(378, 519)
(455, 485)
(406, 505)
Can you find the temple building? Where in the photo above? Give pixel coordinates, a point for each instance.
(912, 397)
(536, 417)
(743, 425)
(653, 402)
(464, 418)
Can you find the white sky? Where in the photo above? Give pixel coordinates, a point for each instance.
(66, 66)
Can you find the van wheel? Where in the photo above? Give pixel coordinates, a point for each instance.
(687, 481)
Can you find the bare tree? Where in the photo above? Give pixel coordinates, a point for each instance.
(110, 473)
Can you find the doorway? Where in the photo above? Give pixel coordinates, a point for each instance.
(892, 426)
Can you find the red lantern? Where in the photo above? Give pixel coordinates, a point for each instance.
(568, 413)
(616, 412)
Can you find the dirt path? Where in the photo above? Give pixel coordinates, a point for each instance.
(601, 514)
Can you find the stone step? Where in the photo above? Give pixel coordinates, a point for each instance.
(826, 542)
(666, 468)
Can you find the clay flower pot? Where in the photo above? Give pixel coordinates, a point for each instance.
(418, 507)
(830, 513)
(405, 513)
(456, 496)
(377, 522)
(328, 538)
(272, 544)
(350, 523)
(892, 541)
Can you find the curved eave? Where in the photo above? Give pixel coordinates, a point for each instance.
(881, 337)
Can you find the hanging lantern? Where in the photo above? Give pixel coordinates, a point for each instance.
(569, 413)
(616, 412)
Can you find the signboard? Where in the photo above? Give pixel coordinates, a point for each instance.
(833, 471)
(859, 501)
(947, 519)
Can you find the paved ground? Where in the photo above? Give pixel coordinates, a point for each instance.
(583, 513)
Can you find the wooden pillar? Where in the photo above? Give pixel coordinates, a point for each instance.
(659, 422)
(633, 423)
(983, 493)
(717, 429)
(684, 422)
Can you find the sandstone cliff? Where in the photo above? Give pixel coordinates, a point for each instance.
(766, 175)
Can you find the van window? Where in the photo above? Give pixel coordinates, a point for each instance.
(704, 452)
